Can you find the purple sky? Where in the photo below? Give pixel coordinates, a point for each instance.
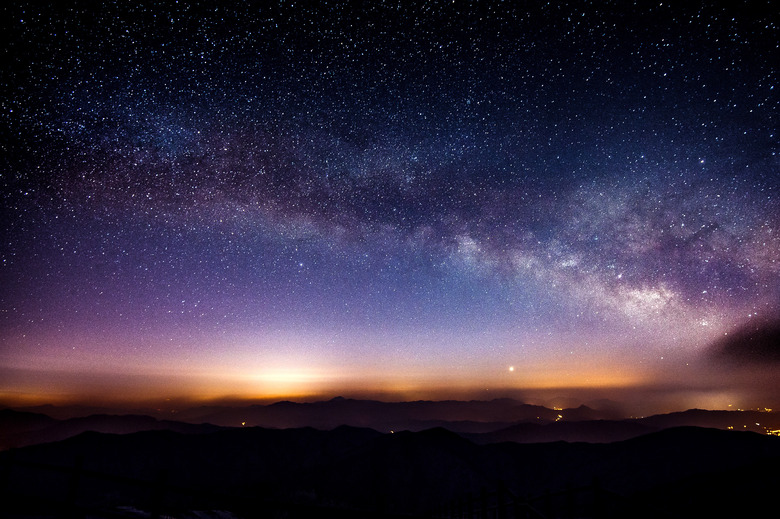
(298, 200)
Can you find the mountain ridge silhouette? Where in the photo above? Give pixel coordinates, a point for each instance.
(395, 473)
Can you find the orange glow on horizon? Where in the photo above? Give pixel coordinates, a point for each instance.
(298, 378)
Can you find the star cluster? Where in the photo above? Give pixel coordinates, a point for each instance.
(386, 191)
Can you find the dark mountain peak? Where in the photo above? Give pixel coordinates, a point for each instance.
(280, 403)
(688, 435)
(750, 420)
(441, 433)
(351, 429)
(589, 431)
(14, 425)
(14, 415)
(343, 401)
(505, 400)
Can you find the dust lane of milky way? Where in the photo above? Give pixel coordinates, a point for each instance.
(293, 199)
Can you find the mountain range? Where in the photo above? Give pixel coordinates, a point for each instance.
(498, 457)
(480, 421)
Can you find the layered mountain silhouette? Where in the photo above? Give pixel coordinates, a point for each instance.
(307, 473)
(20, 428)
(382, 416)
(546, 466)
(480, 421)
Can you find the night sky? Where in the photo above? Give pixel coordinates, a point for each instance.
(419, 200)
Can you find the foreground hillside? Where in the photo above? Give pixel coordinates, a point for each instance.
(354, 472)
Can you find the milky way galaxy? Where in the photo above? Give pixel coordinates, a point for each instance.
(292, 199)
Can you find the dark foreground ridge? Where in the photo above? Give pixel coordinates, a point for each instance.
(358, 472)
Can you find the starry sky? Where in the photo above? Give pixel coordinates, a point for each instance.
(286, 199)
